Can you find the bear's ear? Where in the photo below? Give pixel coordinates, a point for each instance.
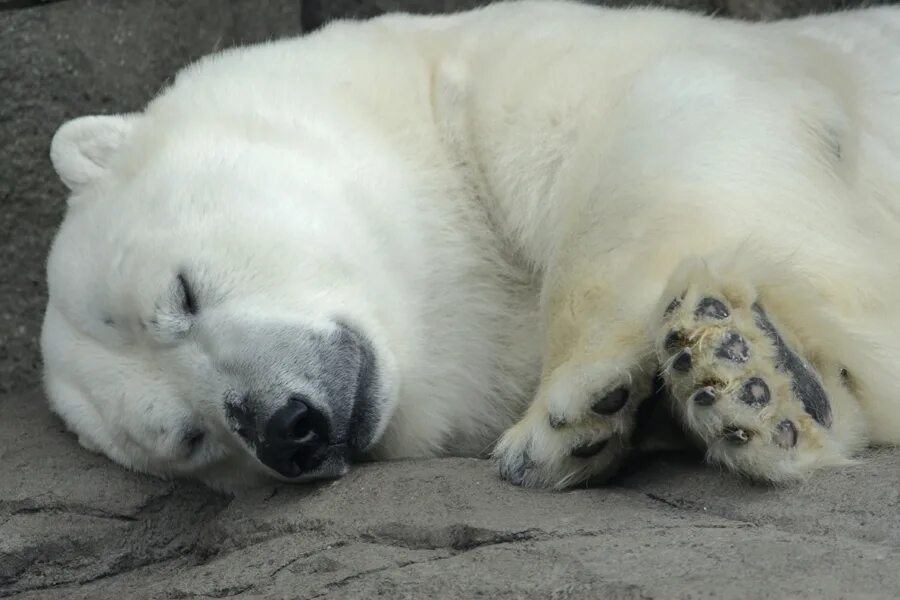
(82, 148)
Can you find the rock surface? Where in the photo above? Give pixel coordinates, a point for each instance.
(75, 526)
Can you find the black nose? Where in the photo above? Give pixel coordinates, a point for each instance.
(296, 438)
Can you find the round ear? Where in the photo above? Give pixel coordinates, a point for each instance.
(82, 148)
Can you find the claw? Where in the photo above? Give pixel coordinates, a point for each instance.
(736, 435)
(516, 474)
(704, 396)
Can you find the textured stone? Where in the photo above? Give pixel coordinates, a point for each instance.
(75, 526)
(318, 12)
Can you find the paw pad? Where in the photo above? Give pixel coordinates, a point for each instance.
(675, 340)
(612, 402)
(734, 348)
(755, 392)
(805, 381)
(712, 308)
(785, 434)
(589, 450)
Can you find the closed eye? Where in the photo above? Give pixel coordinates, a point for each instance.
(188, 298)
(193, 439)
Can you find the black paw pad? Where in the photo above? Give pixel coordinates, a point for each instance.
(734, 348)
(683, 361)
(704, 396)
(736, 435)
(755, 392)
(675, 340)
(785, 434)
(712, 308)
(611, 402)
(589, 450)
(804, 379)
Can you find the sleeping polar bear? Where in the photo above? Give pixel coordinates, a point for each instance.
(417, 236)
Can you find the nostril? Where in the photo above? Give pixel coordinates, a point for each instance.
(296, 421)
(304, 421)
(315, 423)
(303, 431)
(290, 421)
(299, 427)
(296, 437)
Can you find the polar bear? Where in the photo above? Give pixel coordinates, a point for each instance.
(498, 231)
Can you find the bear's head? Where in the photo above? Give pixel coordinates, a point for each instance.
(217, 309)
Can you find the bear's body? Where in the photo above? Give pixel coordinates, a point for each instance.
(504, 202)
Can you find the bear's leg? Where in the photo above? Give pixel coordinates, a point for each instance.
(724, 334)
(598, 366)
(761, 403)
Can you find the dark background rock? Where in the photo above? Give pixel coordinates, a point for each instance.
(72, 57)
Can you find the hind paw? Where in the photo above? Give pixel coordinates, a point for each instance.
(757, 405)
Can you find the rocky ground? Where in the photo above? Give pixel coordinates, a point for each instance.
(74, 526)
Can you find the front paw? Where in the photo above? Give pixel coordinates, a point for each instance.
(557, 446)
(533, 454)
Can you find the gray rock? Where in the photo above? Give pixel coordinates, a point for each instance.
(73, 525)
(318, 12)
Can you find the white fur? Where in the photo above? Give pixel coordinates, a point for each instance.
(82, 148)
(458, 185)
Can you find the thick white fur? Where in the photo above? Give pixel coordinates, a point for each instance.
(487, 193)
